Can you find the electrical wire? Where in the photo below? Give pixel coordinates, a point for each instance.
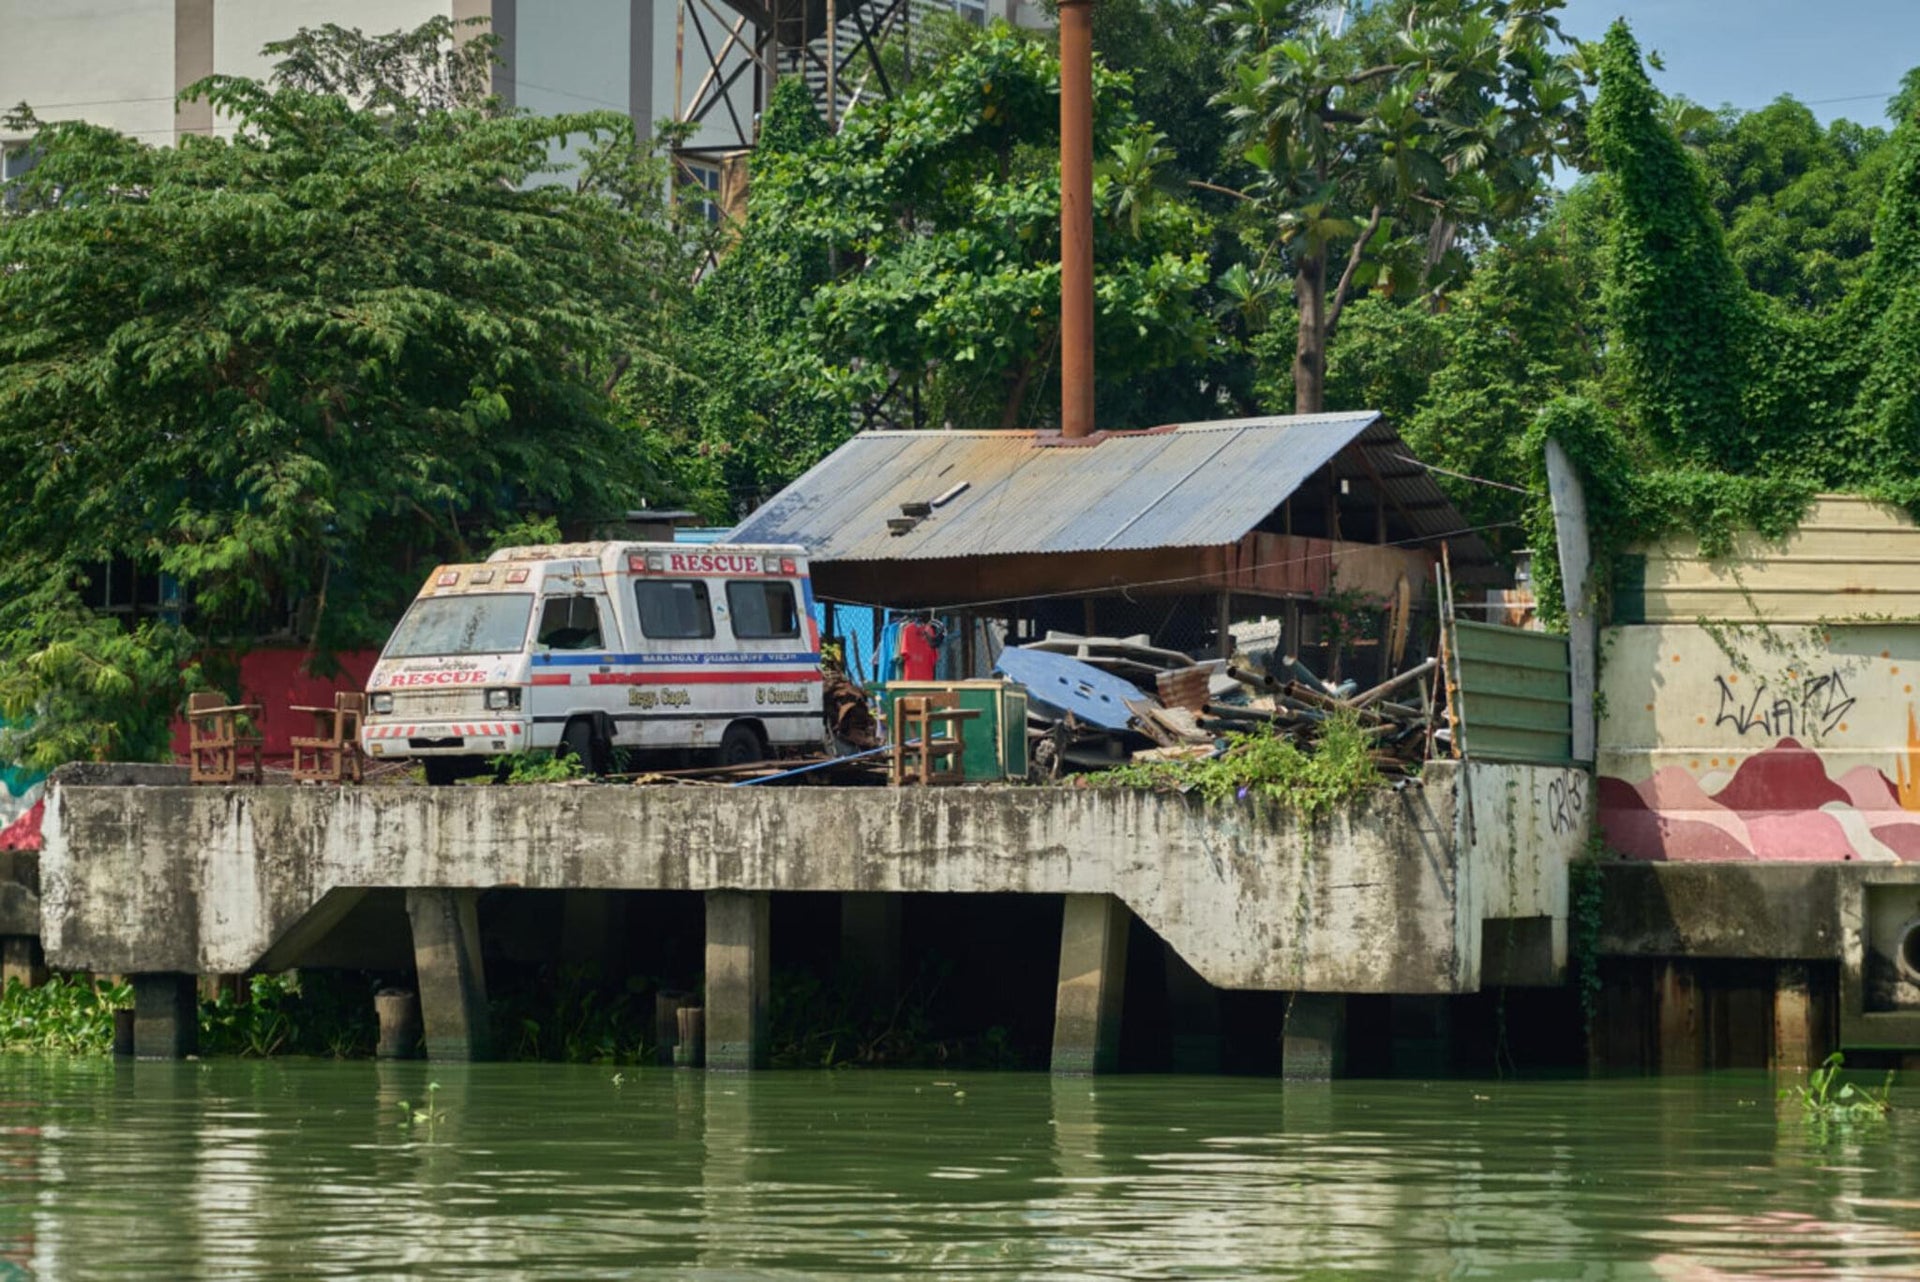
(1462, 476)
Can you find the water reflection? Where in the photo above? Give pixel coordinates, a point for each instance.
(291, 1169)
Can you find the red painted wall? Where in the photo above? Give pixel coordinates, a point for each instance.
(277, 680)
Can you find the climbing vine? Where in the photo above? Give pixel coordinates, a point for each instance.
(1586, 896)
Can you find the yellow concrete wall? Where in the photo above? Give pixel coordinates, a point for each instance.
(1849, 558)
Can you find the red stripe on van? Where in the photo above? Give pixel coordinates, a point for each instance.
(552, 678)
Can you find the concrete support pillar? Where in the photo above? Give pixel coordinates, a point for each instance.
(1092, 985)
(1313, 1043)
(1680, 1016)
(20, 961)
(739, 978)
(870, 944)
(450, 978)
(1421, 1029)
(587, 928)
(1193, 1012)
(166, 1016)
(1795, 1046)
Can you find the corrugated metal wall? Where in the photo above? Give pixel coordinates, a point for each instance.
(1849, 558)
(1516, 694)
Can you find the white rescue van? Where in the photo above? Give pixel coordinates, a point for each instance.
(595, 646)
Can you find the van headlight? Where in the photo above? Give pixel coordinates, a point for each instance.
(503, 700)
(381, 703)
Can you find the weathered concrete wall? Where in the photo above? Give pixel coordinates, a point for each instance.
(1521, 828)
(208, 879)
(1390, 897)
(1865, 916)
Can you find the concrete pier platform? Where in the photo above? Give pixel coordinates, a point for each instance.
(1394, 895)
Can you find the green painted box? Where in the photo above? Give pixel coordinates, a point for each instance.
(996, 739)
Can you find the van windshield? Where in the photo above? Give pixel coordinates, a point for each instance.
(493, 624)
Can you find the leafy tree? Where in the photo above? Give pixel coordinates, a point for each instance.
(944, 205)
(1176, 59)
(288, 368)
(1391, 138)
(1796, 199)
(1690, 333)
(758, 404)
(1879, 333)
(906, 270)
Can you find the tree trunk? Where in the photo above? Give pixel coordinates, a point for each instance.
(1310, 352)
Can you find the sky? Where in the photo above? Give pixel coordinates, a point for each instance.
(1840, 57)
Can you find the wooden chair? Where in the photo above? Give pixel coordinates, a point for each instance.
(929, 738)
(217, 750)
(331, 754)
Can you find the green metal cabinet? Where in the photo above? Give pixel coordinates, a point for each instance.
(996, 739)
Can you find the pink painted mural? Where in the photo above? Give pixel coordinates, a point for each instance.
(1802, 745)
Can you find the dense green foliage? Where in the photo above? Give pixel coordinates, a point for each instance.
(377, 326)
(288, 368)
(69, 1014)
(905, 270)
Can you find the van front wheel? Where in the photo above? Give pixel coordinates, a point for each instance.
(741, 745)
(577, 742)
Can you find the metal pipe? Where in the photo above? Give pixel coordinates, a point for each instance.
(1076, 218)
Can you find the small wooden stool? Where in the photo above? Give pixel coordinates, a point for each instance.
(331, 754)
(217, 751)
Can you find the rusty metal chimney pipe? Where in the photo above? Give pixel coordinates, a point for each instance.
(1076, 218)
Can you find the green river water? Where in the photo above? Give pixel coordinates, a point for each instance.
(296, 1169)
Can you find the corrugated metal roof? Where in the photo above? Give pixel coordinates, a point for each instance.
(1195, 485)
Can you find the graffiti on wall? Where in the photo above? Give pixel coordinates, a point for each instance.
(1804, 747)
(21, 805)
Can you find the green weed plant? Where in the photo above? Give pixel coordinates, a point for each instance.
(68, 1015)
(537, 767)
(1825, 1100)
(1311, 783)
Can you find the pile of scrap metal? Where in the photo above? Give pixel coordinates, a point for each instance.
(1094, 702)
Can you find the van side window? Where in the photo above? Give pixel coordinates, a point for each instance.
(569, 623)
(763, 610)
(673, 609)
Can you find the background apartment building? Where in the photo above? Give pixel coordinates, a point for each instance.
(122, 63)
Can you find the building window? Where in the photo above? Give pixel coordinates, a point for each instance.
(974, 11)
(120, 588)
(700, 183)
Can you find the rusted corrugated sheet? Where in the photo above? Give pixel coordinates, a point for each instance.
(1197, 485)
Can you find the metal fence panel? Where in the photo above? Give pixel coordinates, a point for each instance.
(1516, 694)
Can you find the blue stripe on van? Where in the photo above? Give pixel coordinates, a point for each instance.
(594, 658)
